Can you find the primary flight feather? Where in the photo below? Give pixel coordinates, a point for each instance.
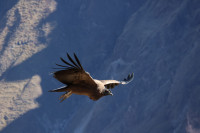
(78, 81)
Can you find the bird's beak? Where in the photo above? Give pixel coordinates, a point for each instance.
(111, 94)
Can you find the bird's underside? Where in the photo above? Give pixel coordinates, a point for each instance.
(78, 81)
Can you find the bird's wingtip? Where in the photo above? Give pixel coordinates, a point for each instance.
(128, 79)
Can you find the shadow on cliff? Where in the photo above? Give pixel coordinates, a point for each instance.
(70, 31)
(41, 64)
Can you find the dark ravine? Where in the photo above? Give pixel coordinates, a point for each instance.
(157, 40)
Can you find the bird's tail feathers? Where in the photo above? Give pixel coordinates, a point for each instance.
(62, 89)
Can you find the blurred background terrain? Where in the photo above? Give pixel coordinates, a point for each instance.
(157, 40)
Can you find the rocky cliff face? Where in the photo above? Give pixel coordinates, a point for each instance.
(157, 40)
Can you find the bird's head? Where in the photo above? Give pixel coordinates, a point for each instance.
(107, 92)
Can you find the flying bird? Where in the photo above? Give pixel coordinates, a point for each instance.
(78, 81)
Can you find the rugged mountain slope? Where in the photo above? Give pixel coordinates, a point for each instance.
(157, 40)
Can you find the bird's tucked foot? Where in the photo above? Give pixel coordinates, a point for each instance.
(65, 96)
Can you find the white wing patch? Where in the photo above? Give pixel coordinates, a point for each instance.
(109, 84)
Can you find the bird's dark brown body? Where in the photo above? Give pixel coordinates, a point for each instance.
(79, 82)
(91, 92)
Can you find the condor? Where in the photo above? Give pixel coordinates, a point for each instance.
(78, 81)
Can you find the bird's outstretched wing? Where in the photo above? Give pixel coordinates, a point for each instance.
(109, 84)
(73, 73)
